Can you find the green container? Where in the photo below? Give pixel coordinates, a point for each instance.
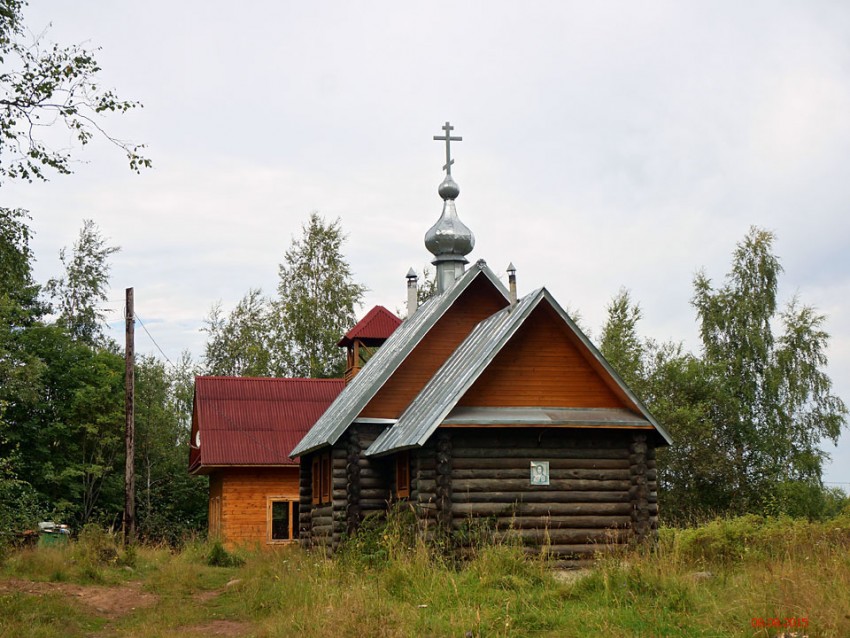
(50, 534)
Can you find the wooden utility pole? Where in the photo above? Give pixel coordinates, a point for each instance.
(129, 428)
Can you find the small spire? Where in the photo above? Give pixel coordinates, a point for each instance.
(449, 240)
(512, 283)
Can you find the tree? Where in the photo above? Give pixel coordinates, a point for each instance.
(170, 502)
(240, 344)
(84, 285)
(619, 343)
(317, 298)
(777, 403)
(42, 84)
(748, 414)
(296, 333)
(427, 286)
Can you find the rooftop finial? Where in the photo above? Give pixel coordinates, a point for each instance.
(449, 240)
(448, 138)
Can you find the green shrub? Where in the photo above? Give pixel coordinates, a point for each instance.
(218, 556)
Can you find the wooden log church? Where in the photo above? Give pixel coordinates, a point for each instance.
(482, 405)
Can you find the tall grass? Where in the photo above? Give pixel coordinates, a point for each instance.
(717, 579)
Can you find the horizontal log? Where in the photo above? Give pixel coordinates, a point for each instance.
(516, 461)
(571, 536)
(491, 485)
(373, 503)
(535, 454)
(546, 496)
(554, 522)
(381, 494)
(372, 473)
(524, 473)
(373, 482)
(533, 497)
(539, 509)
(576, 549)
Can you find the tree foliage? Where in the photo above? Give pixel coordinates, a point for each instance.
(620, 343)
(294, 334)
(43, 84)
(241, 343)
(316, 300)
(62, 405)
(748, 413)
(777, 398)
(84, 285)
(169, 502)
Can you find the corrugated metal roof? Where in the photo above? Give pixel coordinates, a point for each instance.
(379, 323)
(257, 421)
(386, 361)
(440, 395)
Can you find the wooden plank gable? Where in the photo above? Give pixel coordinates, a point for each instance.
(544, 364)
(480, 300)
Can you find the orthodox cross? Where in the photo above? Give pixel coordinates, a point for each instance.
(448, 139)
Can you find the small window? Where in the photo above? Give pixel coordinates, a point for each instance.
(321, 479)
(316, 477)
(326, 476)
(402, 474)
(282, 520)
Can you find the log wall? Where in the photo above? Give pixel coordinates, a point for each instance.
(360, 486)
(602, 489)
(244, 493)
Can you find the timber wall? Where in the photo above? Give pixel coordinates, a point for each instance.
(244, 495)
(602, 490)
(360, 486)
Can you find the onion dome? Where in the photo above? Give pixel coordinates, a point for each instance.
(449, 237)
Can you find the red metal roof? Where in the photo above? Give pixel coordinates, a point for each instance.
(255, 421)
(379, 323)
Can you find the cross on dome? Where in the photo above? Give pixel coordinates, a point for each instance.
(448, 138)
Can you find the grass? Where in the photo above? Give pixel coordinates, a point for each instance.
(718, 579)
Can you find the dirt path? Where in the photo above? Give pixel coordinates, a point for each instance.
(118, 600)
(111, 602)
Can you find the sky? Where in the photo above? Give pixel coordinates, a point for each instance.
(605, 145)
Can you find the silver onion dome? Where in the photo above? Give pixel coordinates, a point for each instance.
(449, 237)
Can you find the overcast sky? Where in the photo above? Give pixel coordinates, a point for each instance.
(606, 145)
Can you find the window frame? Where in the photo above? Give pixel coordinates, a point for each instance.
(321, 479)
(293, 522)
(402, 474)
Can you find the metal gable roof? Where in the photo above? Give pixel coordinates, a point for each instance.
(379, 323)
(363, 387)
(256, 421)
(436, 400)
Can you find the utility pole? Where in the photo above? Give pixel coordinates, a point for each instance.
(129, 427)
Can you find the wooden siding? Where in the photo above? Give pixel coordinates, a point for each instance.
(244, 501)
(542, 365)
(214, 512)
(589, 505)
(479, 301)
